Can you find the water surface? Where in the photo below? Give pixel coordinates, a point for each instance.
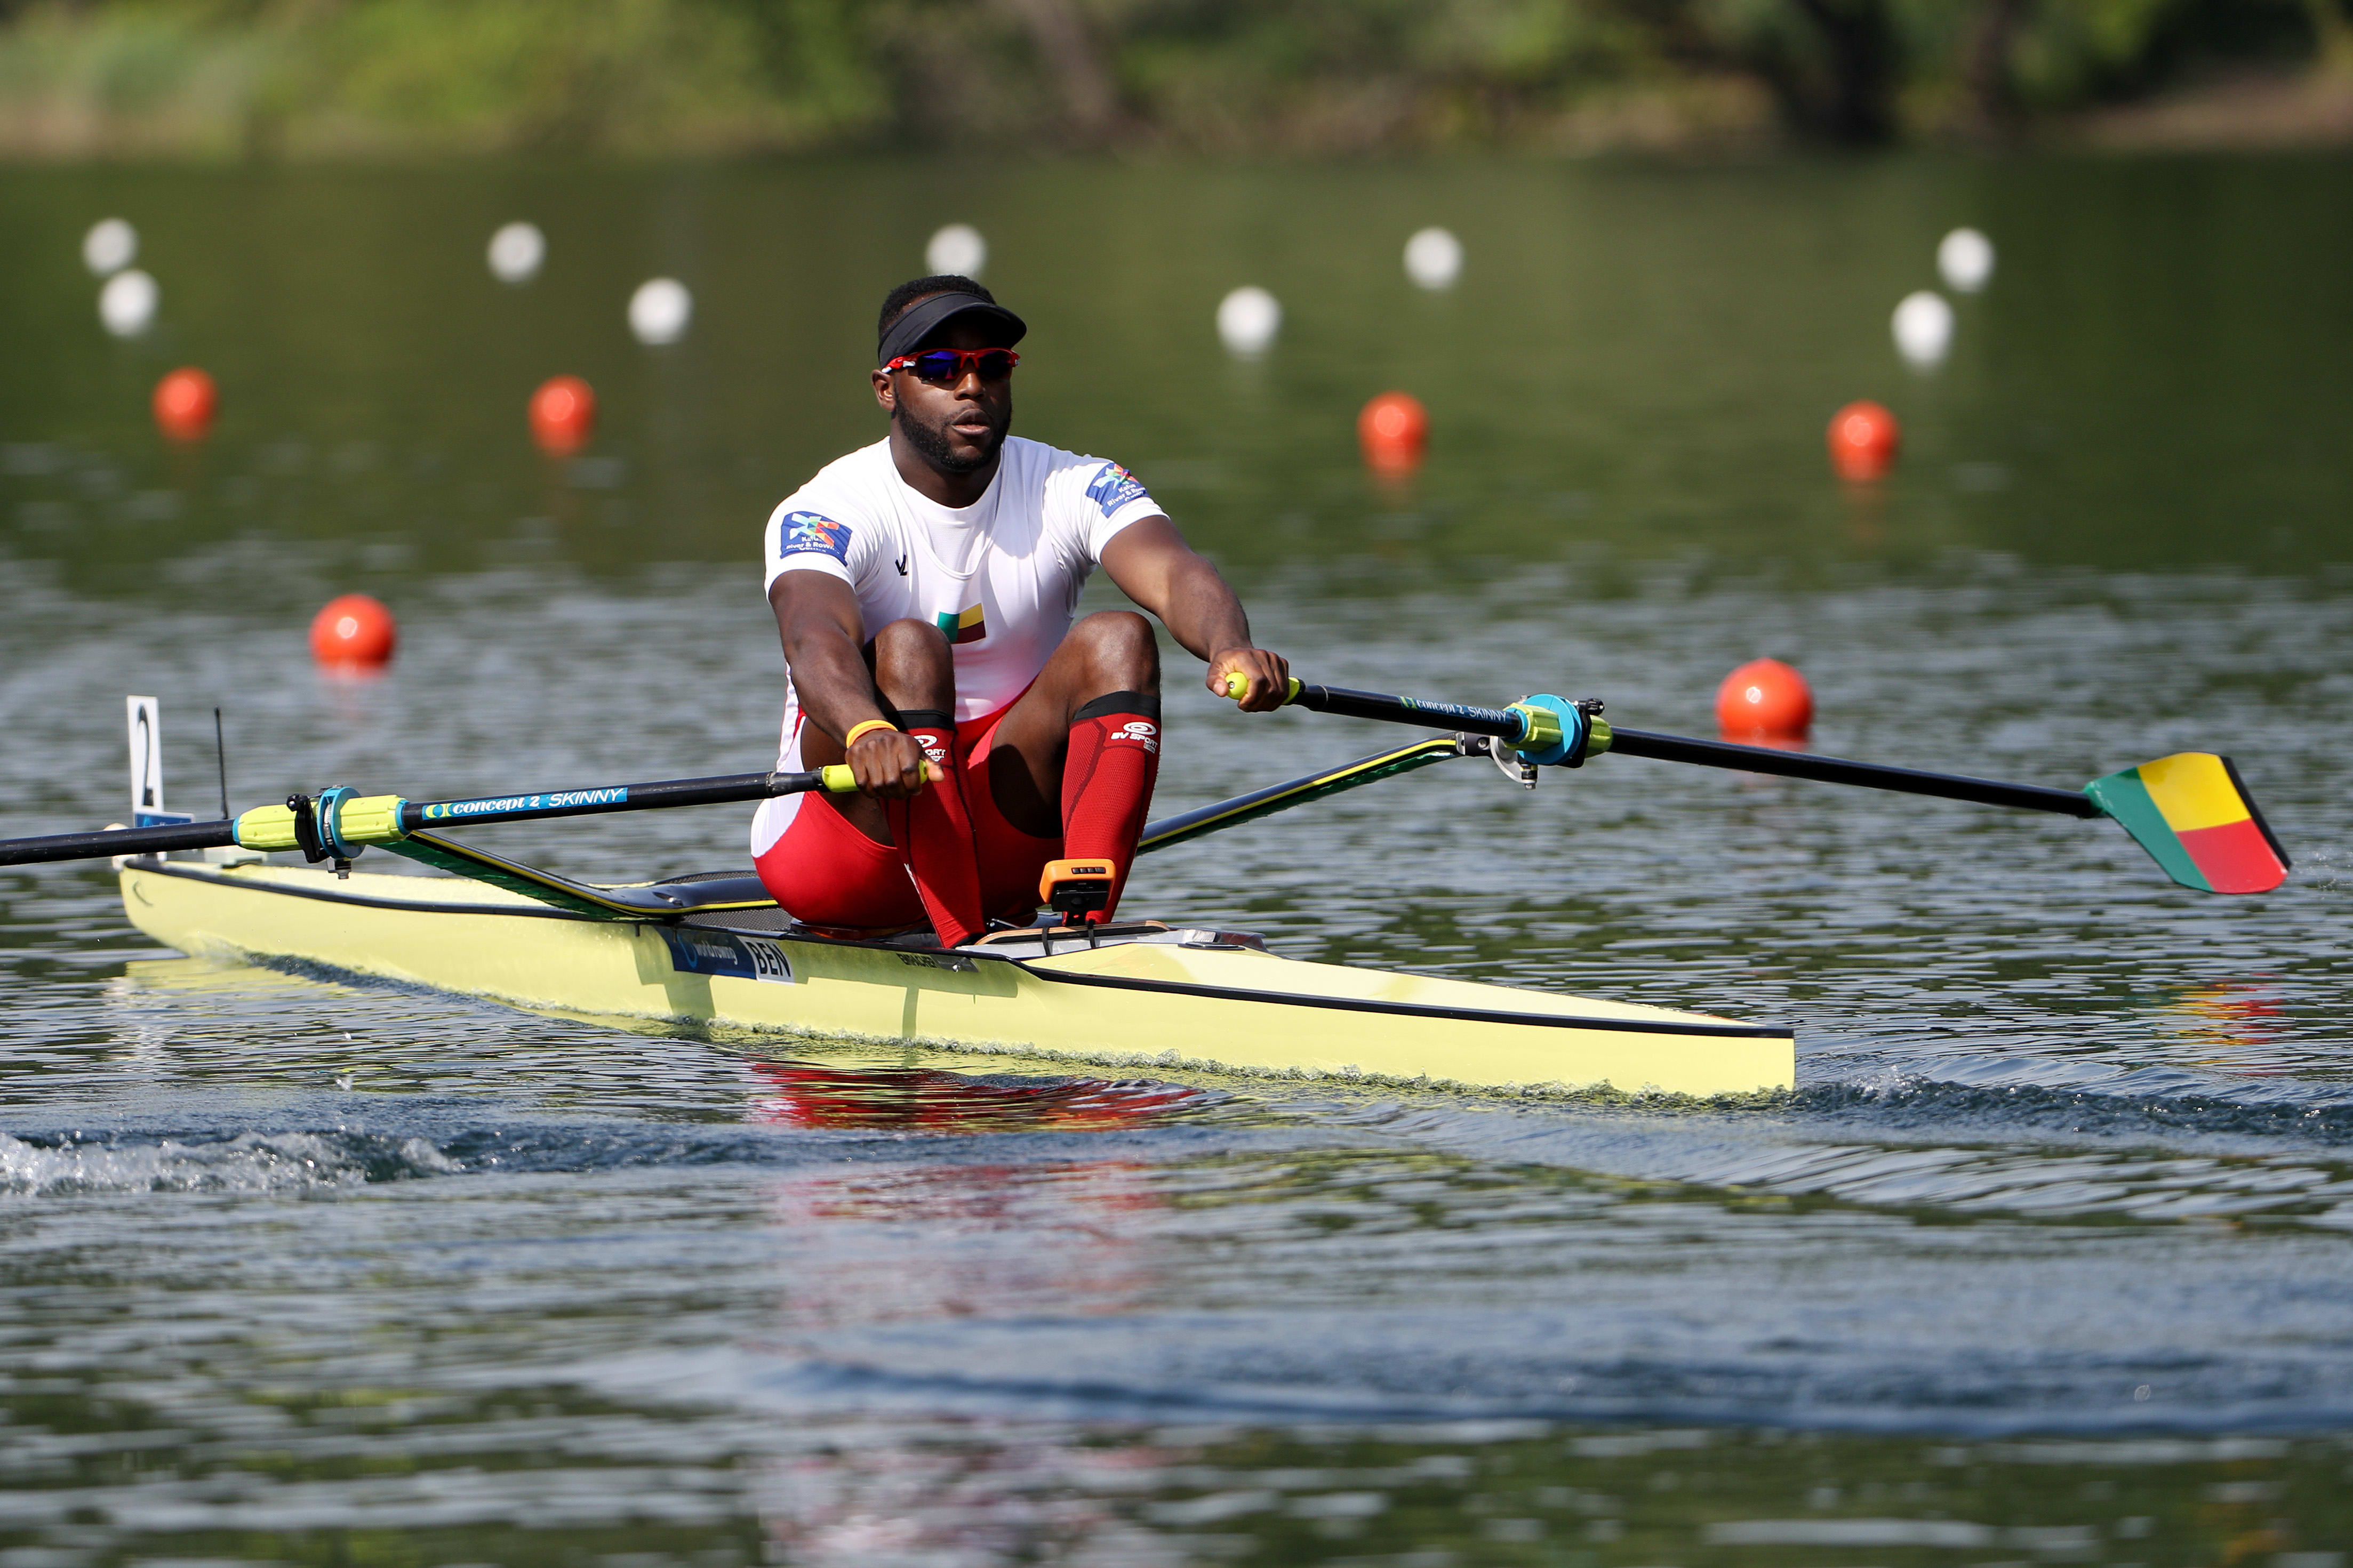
(2044, 1260)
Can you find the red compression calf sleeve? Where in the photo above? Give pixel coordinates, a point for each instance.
(933, 834)
(1107, 781)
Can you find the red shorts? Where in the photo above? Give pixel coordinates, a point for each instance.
(825, 872)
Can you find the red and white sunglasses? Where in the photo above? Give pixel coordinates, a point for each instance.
(945, 367)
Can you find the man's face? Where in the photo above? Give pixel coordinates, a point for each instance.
(957, 426)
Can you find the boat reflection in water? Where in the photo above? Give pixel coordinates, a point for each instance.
(914, 1099)
(883, 1246)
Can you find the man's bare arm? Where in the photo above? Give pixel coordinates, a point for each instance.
(1153, 566)
(825, 639)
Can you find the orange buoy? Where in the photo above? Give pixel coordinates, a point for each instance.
(1765, 699)
(562, 414)
(1863, 438)
(1394, 430)
(184, 404)
(353, 632)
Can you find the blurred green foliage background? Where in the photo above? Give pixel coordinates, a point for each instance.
(324, 78)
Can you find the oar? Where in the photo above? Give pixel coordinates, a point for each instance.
(2191, 811)
(338, 824)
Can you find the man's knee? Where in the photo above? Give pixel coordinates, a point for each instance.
(1121, 652)
(911, 638)
(911, 661)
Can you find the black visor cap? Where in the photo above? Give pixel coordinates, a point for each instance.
(920, 320)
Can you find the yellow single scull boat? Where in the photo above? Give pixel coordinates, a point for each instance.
(716, 951)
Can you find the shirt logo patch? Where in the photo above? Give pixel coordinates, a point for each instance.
(805, 533)
(969, 626)
(1114, 487)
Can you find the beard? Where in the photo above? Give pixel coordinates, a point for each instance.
(931, 441)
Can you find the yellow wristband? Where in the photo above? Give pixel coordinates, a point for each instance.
(856, 730)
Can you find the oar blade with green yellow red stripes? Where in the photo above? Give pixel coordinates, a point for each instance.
(2191, 812)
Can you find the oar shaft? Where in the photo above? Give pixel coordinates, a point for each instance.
(359, 821)
(1838, 770)
(1542, 729)
(1512, 724)
(1498, 722)
(382, 819)
(121, 841)
(721, 791)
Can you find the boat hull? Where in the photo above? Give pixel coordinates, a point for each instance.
(1199, 1003)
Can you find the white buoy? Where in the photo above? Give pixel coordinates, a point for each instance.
(1248, 320)
(957, 250)
(516, 252)
(1923, 329)
(127, 303)
(1965, 257)
(110, 245)
(1433, 258)
(660, 310)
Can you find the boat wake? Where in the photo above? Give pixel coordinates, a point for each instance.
(245, 1163)
(2150, 1102)
(808, 1114)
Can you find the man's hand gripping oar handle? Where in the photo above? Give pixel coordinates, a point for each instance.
(339, 823)
(2191, 811)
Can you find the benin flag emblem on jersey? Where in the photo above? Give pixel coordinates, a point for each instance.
(2193, 814)
(970, 626)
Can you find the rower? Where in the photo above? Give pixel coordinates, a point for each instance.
(925, 588)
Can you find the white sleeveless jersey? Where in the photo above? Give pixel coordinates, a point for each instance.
(1001, 577)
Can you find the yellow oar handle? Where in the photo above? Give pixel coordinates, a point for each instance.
(265, 828)
(1237, 686)
(359, 821)
(839, 780)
